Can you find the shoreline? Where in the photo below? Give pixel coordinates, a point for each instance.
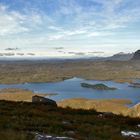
(116, 106)
(17, 94)
(124, 80)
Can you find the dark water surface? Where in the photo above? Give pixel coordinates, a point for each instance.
(71, 88)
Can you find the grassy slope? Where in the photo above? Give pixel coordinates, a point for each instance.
(116, 106)
(17, 119)
(134, 111)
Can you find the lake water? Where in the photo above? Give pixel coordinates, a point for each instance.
(71, 88)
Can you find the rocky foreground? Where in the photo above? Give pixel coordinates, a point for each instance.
(38, 121)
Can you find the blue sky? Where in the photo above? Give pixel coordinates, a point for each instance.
(62, 27)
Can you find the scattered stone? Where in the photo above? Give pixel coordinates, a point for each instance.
(130, 134)
(100, 115)
(69, 133)
(138, 125)
(66, 123)
(50, 137)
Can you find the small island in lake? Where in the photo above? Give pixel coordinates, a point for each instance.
(135, 85)
(97, 86)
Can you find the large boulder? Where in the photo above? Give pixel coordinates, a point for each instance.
(136, 55)
(40, 99)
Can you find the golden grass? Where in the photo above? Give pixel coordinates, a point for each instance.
(133, 111)
(117, 106)
(14, 94)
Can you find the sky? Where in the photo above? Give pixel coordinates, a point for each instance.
(69, 28)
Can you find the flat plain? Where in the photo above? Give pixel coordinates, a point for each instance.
(44, 71)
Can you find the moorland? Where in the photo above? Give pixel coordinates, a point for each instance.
(21, 120)
(45, 71)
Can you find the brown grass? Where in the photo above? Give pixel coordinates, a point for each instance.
(134, 111)
(120, 71)
(117, 106)
(14, 94)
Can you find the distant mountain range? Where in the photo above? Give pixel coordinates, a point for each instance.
(116, 57)
(16, 54)
(121, 56)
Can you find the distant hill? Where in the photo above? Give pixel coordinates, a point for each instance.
(136, 55)
(121, 56)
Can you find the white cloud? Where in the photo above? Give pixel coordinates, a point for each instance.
(56, 37)
(9, 22)
(78, 22)
(55, 28)
(76, 33)
(70, 24)
(13, 22)
(109, 16)
(99, 34)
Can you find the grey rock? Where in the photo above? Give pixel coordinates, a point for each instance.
(40, 99)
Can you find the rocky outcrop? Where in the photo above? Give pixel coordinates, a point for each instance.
(136, 55)
(40, 99)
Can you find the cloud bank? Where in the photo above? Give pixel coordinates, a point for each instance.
(75, 25)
